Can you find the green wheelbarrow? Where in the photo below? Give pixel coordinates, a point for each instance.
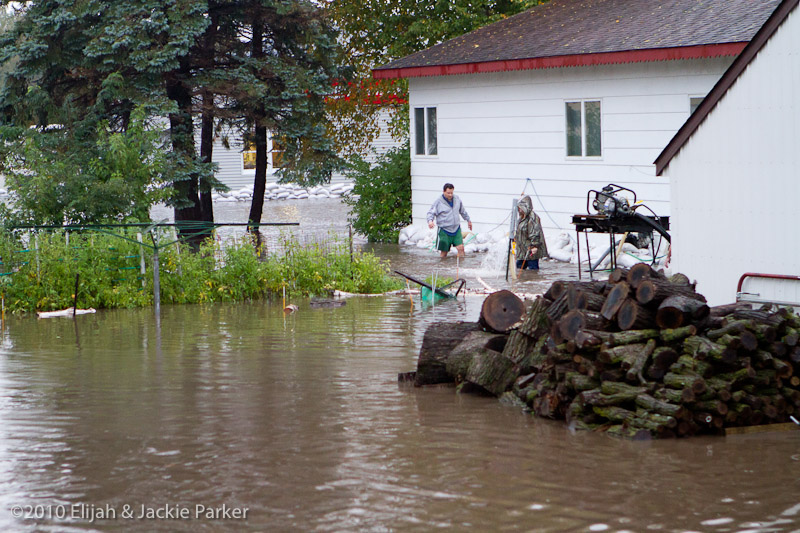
(428, 293)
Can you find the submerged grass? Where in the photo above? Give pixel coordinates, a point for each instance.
(38, 273)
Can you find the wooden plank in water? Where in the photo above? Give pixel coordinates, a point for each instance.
(744, 430)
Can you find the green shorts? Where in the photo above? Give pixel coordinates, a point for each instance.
(446, 241)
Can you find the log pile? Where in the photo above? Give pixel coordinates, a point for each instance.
(636, 356)
(643, 356)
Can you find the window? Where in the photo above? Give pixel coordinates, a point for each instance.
(694, 101)
(275, 150)
(425, 139)
(584, 132)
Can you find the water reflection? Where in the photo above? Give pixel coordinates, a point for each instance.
(300, 419)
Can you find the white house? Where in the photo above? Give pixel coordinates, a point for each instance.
(236, 163)
(733, 171)
(564, 98)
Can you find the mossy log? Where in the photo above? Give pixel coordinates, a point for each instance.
(792, 337)
(437, 344)
(633, 336)
(614, 413)
(614, 300)
(653, 291)
(645, 401)
(678, 310)
(700, 347)
(518, 346)
(640, 272)
(680, 279)
(640, 361)
(474, 343)
(688, 364)
(580, 382)
(664, 357)
(629, 432)
(762, 317)
(782, 368)
(617, 355)
(556, 289)
(536, 321)
(677, 334)
(738, 377)
(731, 328)
(492, 372)
(712, 406)
(557, 308)
(633, 315)
(662, 420)
(621, 389)
(688, 380)
(577, 298)
(618, 274)
(578, 320)
(727, 309)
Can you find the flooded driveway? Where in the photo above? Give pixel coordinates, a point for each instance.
(299, 420)
(240, 418)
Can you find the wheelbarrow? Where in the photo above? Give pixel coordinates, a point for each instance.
(429, 293)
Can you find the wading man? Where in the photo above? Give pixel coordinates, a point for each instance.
(446, 211)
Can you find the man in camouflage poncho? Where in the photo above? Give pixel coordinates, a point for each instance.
(529, 238)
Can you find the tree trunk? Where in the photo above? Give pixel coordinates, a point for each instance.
(437, 344)
(206, 154)
(182, 137)
(259, 139)
(492, 372)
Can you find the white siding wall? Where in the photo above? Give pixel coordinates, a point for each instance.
(735, 184)
(495, 131)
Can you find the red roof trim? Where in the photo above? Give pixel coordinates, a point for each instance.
(575, 60)
(727, 80)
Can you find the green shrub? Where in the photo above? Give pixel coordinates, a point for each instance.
(38, 273)
(381, 195)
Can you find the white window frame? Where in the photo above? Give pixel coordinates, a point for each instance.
(426, 131)
(583, 102)
(251, 171)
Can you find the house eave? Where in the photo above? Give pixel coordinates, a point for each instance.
(573, 60)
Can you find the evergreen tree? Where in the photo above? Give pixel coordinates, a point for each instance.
(81, 63)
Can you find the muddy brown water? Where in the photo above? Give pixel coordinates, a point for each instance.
(300, 420)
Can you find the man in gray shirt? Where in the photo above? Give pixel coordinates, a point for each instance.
(446, 210)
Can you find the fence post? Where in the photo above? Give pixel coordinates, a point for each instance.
(36, 250)
(141, 258)
(156, 283)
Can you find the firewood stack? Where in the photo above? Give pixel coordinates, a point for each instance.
(643, 356)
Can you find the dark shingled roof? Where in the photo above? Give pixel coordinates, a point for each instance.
(578, 27)
(726, 82)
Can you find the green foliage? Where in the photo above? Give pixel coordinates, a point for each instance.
(381, 196)
(113, 177)
(38, 273)
(86, 65)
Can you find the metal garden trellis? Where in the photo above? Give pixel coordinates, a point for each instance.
(190, 228)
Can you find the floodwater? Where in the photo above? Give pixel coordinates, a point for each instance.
(241, 418)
